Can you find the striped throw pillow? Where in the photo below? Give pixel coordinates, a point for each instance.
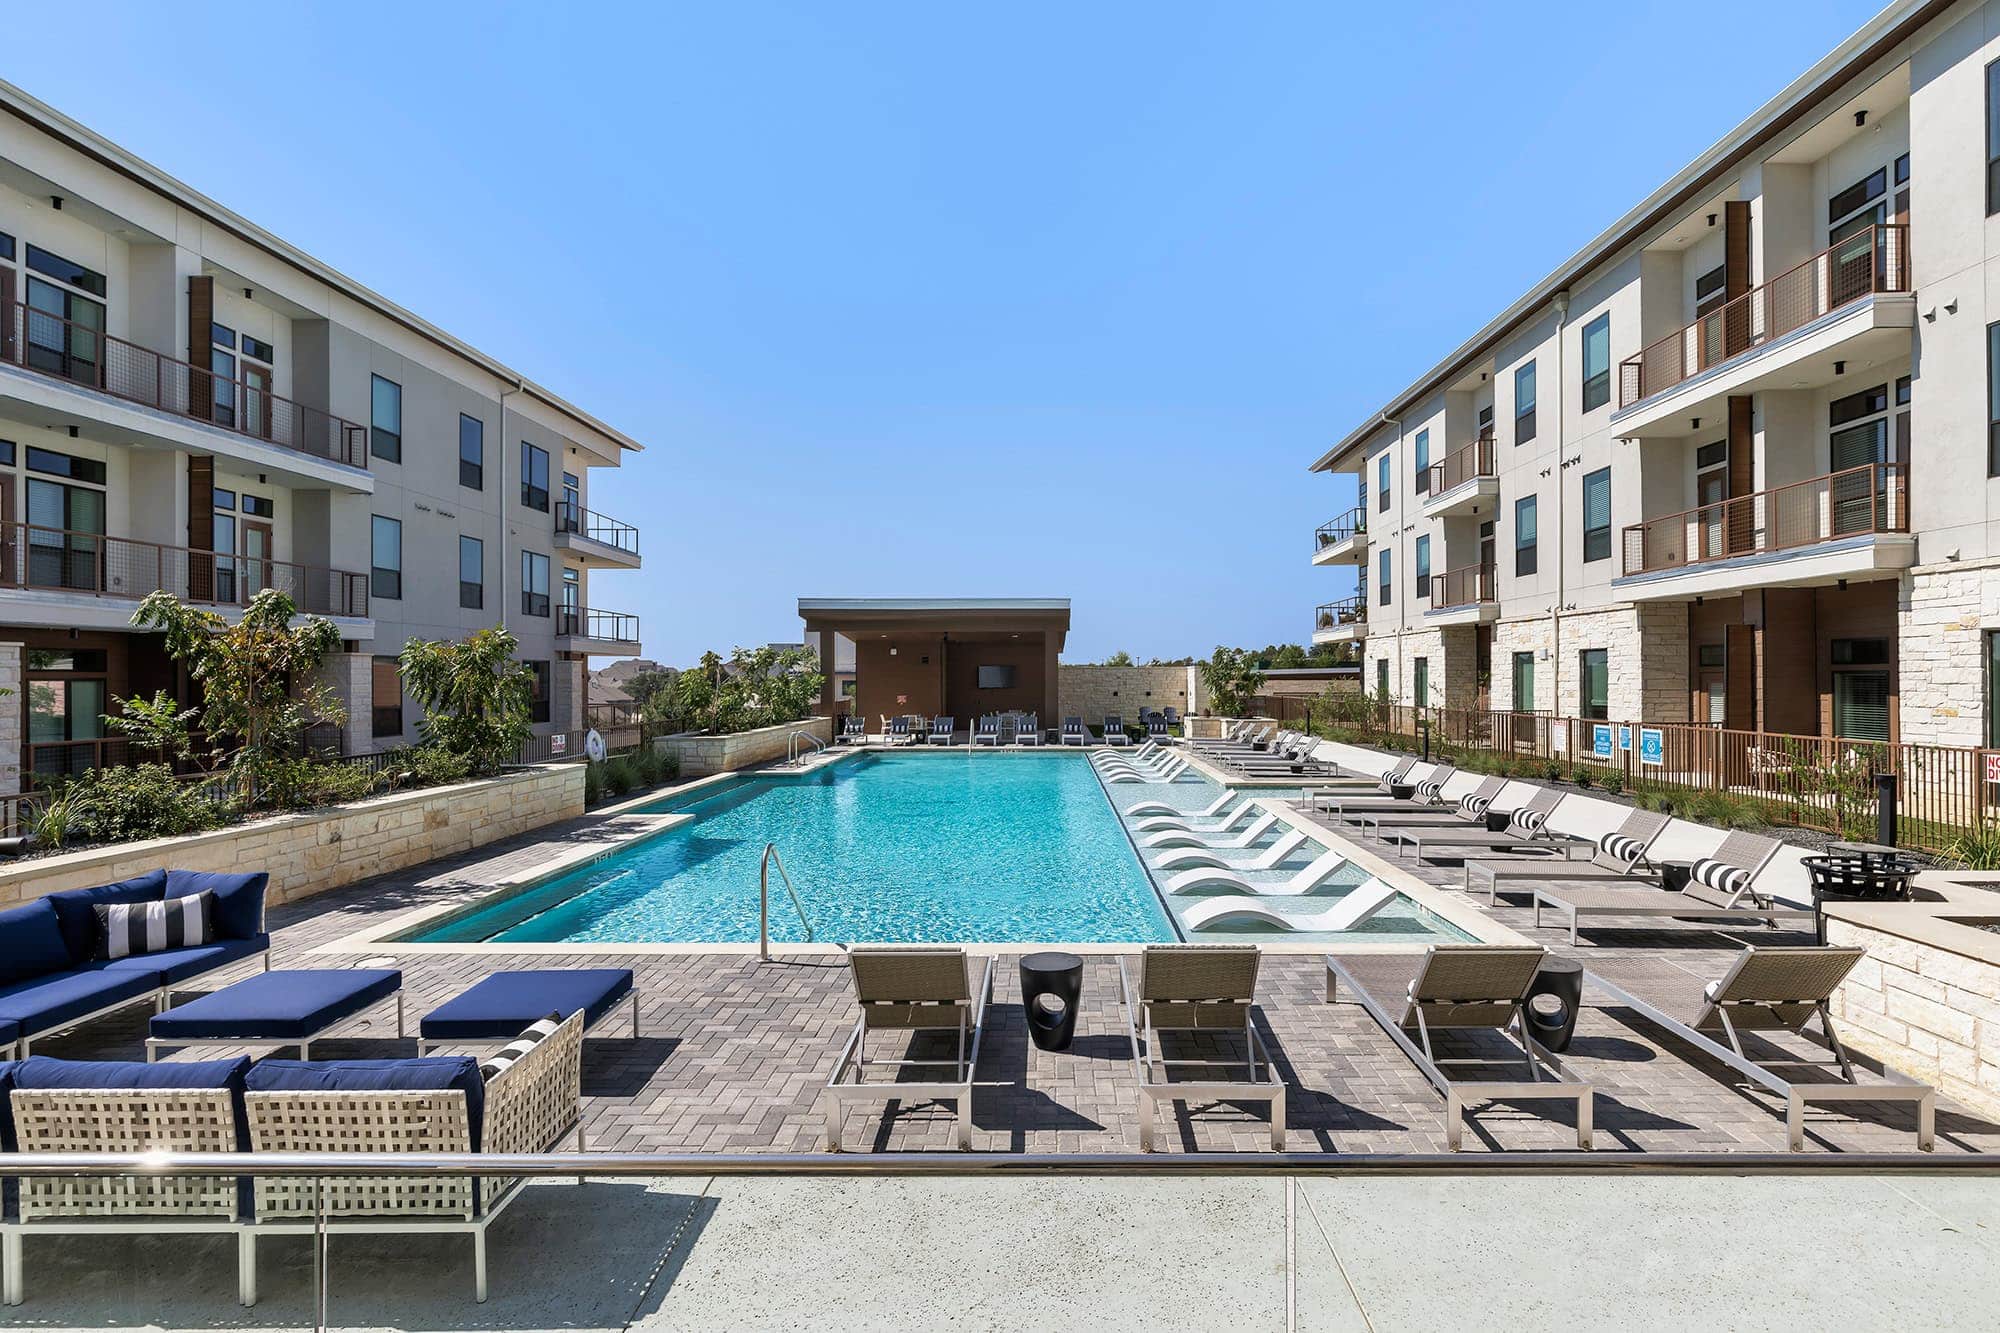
(1427, 791)
(1473, 805)
(124, 929)
(1526, 823)
(498, 1063)
(1724, 878)
(1621, 848)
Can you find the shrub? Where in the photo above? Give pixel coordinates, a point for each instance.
(1552, 771)
(1976, 849)
(430, 766)
(619, 776)
(1583, 779)
(1614, 783)
(121, 804)
(593, 783)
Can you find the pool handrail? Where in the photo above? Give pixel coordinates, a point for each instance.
(764, 900)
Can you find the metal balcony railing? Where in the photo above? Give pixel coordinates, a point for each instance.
(1464, 586)
(91, 359)
(1340, 529)
(60, 560)
(1874, 259)
(1856, 502)
(1462, 465)
(580, 522)
(612, 626)
(1333, 615)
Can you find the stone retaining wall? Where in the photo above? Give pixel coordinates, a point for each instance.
(700, 754)
(1090, 692)
(1932, 1013)
(313, 851)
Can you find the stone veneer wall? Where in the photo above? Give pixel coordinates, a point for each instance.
(1449, 652)
(1942, 611)
(11, 713)
(1929, 1012)
(1536, 636)
(317, 850)
(700, 755)
(1662, 629)
(1090, 692)
(349, 676)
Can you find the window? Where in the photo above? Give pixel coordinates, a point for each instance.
(1422, 587)
(388, 697)
(1423, 453)
(1861, 689)
(64, 537)
(63, 465)
(1382, 481)
(1993, 689)
(1993, 138)
(64, 330)
(1525, 560)
(6, 246)
(1381, 677)
(1421, 682)
(222, 335)
(385, 432)
(1993, 400)
(1597, 515)
(534, 477)
(386, 564)
(534, 584)
(258, 350)
(67, 693)
(1711, 290)
(1524, 404)
(1485, 422)
(1593, 676)
(1858, 207)
(1524, 682)
(538, 708)
(258, 506)
(62, 270)
(1597, 363)
(471, 452)
(1382, 589)
(471, 573)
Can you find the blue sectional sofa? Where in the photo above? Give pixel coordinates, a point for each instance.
(53, 978)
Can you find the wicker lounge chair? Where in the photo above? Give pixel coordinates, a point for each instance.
(910, 989)
(1777, 990)
(1462, 987)
(1720, 889)
(1208, 988)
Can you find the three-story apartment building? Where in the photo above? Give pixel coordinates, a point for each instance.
(188, 403)
(1735, 462)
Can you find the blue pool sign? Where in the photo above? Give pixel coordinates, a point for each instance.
(1600, 741)
(1652, 746)
(1625, 738)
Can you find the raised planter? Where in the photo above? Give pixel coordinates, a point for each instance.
(701, 753)
(312, 851)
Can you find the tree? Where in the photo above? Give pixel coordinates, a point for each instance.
(1118, 659)
(1231, 677)
(478, 701)
(257, 680)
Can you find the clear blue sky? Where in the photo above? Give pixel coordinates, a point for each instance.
(1042, 300)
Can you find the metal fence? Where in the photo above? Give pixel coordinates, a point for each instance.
(1943, 792)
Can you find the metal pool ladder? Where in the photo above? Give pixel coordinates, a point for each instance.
(764, 900)
(795, 746)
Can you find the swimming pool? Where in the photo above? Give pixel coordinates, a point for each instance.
(919, 847)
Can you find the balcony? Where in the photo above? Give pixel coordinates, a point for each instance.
(1463, 596)
(1344, 541)
(78, 579)
(597, 633)
(593, 539)
(1853, 524)
(1850, 303)
(1341, 622)
(1465, 478)
(88, 359)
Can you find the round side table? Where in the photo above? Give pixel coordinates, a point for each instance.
(1051, 984)
(1560, 980)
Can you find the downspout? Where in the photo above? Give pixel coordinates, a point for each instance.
(520, 386)
(1395, 471)
(1562, 511)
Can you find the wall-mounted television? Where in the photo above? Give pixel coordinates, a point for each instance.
(996, 678)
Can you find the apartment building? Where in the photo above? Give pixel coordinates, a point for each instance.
(1735, 461)
(189, 403)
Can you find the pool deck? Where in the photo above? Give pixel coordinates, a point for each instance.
(734, 1051)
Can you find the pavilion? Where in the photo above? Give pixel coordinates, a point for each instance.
(935, 655)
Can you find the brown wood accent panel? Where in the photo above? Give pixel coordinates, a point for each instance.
(1742, 524)
(7, 315)
(1858, 611)
(201, 314)
(965, 700)
(201, 526)
(911, 680)
(1787, 649)
(1736, 275)
(1739, 669)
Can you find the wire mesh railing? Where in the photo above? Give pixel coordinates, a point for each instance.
(91, 563)
(1856, 502)
(1473, 461)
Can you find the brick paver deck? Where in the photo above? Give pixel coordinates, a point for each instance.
(733, 1052)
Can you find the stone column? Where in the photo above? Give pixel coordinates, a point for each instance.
(349, 676)
(566, 694)
(13, 707)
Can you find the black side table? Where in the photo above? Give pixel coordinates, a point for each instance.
(1498, 820)
(1560, 979)
(1051, 984)
(1674, 875)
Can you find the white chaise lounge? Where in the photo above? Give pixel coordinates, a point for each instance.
(1345, 913)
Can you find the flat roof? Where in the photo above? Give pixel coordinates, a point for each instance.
(868, 604)
(40, 116)
(1876, 38)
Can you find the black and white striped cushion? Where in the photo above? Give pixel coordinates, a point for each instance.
(1724, 878)
(1526, 822)
(498, 1063)
(1474, 805)
(1427, 791)
(1621, 848)
(125, 929)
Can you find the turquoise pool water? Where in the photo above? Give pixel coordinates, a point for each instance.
(961, 846)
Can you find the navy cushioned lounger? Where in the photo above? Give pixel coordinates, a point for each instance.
(500, 1006)
(280, 1008)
